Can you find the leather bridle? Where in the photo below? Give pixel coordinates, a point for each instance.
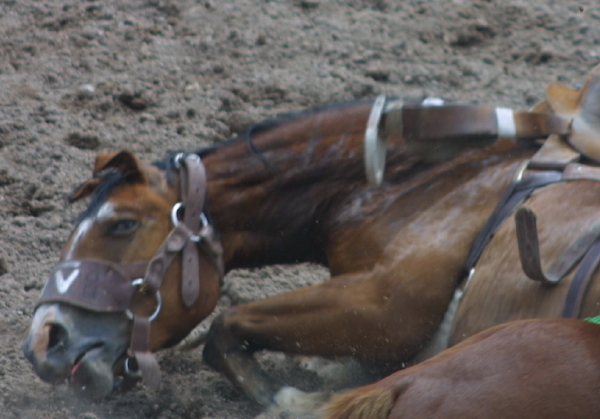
(105, 287)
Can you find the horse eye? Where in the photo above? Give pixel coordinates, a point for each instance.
(122, 227)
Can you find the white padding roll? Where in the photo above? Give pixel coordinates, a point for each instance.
(506, 123)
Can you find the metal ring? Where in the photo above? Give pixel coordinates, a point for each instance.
(374, 144)
(178, 159)
(154, 315)
(197, 238)
(129, 372)
(137, 282)
(521, 171)
(204, 220)
(174, 213)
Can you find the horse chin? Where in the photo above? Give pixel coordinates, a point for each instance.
(92, 377)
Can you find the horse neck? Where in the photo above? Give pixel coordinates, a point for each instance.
(270, 204)
(280, 203)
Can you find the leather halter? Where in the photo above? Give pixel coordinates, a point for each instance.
(105, 287)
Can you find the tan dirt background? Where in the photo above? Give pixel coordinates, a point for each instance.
(180, 74)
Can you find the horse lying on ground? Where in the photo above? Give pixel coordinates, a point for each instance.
(530, 369)
(522, 369)
(290, 190)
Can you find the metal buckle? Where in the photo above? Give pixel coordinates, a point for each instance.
(374, 144)
(521, 171)
(174, 213)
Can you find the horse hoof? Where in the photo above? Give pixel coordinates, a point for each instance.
(300, 403)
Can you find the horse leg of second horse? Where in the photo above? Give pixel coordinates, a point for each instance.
(346, 316)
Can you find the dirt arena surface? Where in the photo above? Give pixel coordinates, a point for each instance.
(156, 75)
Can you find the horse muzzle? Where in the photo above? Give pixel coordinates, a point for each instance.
(66, 343)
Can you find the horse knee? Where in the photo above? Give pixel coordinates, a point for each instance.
(217, 344)
(220, 341)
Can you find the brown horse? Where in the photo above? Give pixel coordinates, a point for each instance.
(287, 191)
(532, 369)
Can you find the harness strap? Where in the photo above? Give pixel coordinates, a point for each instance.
(529, 249)
(138, 351)
(581, 280)
(173, 244)
(468, 122)
(515, 194)
(456, 128)
(193, 190)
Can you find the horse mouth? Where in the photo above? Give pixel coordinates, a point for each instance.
(91, 375)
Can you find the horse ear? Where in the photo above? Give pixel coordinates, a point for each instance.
(123, 161)
(84, 190)
(563, 100)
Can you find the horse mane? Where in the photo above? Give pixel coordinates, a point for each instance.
(114, 178)
(272, 123)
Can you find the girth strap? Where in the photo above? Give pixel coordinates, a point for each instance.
(581, 280)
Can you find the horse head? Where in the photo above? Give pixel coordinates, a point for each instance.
(132, 277)
(582, 107)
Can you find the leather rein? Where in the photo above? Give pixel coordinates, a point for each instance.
(105, 287)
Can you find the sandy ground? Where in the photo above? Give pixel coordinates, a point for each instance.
(154, 75)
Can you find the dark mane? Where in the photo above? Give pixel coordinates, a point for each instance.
(272, 123)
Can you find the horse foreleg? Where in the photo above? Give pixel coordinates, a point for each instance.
(230, 354)
(345, 316)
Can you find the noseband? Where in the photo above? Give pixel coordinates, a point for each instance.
(105, 287)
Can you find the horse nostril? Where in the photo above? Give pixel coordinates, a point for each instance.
(57, 335)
